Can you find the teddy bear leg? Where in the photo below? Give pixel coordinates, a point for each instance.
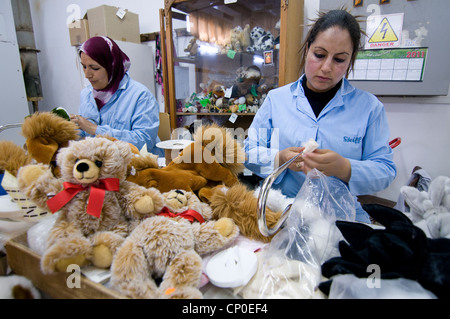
(130, 272)
(182, 277)
(105, 245)
(67, 251)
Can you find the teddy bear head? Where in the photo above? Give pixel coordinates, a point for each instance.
(179, 201)
(94, 158)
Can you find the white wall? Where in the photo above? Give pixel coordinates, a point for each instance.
(422, 123)
(13, 105)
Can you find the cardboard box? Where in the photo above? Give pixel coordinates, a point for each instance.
(116, 23)
(79, 32)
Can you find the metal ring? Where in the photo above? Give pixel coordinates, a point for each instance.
(262, 199)
(8, 126)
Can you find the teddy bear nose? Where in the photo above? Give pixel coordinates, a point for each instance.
(82, 167)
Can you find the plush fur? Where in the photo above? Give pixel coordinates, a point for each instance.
(430, 210)
(17, 287)
(78, 237)
(240, 204)
(45, 134)
(169, 248)
(214, 157)
(12, 157)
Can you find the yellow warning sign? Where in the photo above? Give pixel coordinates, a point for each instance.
(384, 33)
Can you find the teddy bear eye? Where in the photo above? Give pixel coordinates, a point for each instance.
(99, 163)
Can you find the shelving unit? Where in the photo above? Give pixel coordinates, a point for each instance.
(211, 22)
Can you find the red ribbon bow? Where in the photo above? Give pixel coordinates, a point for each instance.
(190, 214)
(96, 195)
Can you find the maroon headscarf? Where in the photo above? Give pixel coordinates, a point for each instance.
(107, 53)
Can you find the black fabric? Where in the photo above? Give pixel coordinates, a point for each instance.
(319, 100)
(400, 250)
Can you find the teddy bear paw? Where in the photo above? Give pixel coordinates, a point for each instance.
(63, 264)
(224, 226)
(144, 205)
(101, 256)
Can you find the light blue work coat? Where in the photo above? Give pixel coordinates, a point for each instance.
(353, 124)
(131, 115)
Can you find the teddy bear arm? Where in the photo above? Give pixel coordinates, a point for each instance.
(36, 181)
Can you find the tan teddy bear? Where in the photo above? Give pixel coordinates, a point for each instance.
(169, 246)
(96, 205)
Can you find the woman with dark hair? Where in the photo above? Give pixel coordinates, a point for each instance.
(115, 104)
(349, 124)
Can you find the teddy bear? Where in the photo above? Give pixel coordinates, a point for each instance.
(192, 47)
(168, 245)
(97, 207)
(215, 157)
(430, 210)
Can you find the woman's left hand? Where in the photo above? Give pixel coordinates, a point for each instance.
(84, 124)
(328, 162)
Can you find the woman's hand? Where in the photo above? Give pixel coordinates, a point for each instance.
(328, 162)
(84, 124)
(285, 155)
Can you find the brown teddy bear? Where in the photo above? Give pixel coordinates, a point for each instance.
(215, 157)
(168, 246)
(96, 205)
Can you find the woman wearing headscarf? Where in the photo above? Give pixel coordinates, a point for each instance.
(114, 104)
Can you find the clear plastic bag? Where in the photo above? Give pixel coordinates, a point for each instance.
(290, 266)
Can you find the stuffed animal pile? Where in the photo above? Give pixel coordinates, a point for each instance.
(152, 226)
(168, 245)
(96, 204)
(400, 250)
(214, 157)
(430, 210)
